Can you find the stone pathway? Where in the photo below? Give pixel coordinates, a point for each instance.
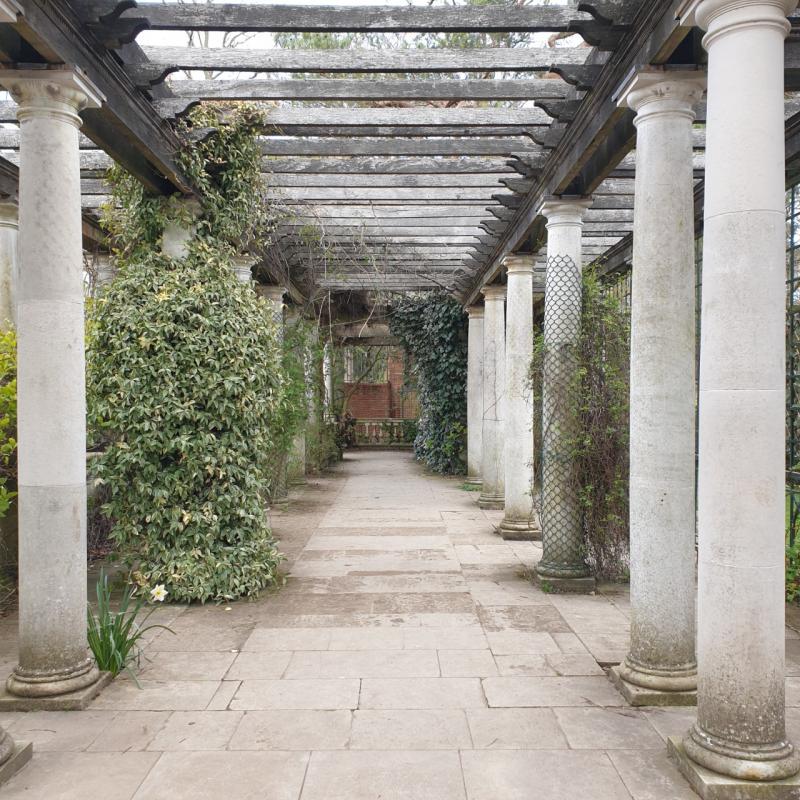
(408, 658)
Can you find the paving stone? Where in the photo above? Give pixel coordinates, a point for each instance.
(388, 775)
(505, 643)
(515, 729)
(538, 618)
(672, 721)
(177, 666)
(650, 775)
(234, 775)
(574, 664)
(467, 664)
(609, 728)
(410, 730)
(292, 730)
(361, 664)
(130, 731)
(223, 696)
(421, 693)
(60, 731)
(270, 639)
(554, 774)
(80, 776)
(196, 730)
(257, 695)
(444, 639)
(525, 664)
(259, 664)
(157, 695)
(370, 639)
(533, 692)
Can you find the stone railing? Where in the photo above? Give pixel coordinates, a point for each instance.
(384, 432)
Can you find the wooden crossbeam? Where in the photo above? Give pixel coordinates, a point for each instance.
(313, 193)
(367, 212)
(165, 60)
(387, 165)
(486, 179)
(370, 233)
(398, 147)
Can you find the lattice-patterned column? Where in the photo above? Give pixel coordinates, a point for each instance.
(520, 520)
(280, 491)
(53, 658)
(740, 729)
(563, 563)
(494, 387)
(661, 668)
(474, 394)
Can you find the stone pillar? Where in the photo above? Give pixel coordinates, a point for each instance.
(661, 668)
(563, 565)
(280, 493)
(327, 377)
(740, 729)
(53, 657)
(494, 386)
(105, 270)
(176, 235)
(474, 394)
(9, 276)
(520, 520)
(243, 268)
(296, 466)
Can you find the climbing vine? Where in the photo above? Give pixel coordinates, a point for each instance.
(597, 399)
(432, 328)
(188, 388)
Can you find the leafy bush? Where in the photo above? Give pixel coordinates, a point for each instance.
(432, 329)
(8, 419)
(186, 384)
(114, 635)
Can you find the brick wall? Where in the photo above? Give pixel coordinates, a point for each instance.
(384, 400)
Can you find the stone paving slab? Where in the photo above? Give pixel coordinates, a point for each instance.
(409, 657)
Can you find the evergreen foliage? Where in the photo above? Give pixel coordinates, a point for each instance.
(432, 328)
(8, 419)
(187, 384)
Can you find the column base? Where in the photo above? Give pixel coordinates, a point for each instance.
(76, 700)
(647, 696)
(714, 786)
(558, 584)
(20, 756)
(491, 502)
(522, 530)
(473, 480)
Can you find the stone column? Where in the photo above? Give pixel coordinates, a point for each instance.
(53, 657)
(520, 520)
(176, 236)
(494, 363)
(740, 729)
(243, 268)
(280, 492)
(474, 394)
(296, 466)
(105, 270)
(563, 565)
(8, 265)
(661, 668)
(327, 377)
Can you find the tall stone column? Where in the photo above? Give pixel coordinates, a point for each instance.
(563, 565)
(494, 364)
(661, 667)
(296, 466)
(474, 394)
(520, 520)
(9, 276)
(327, 378)
(740, 729)
(280, 492)
(53, 657)
(105, 270)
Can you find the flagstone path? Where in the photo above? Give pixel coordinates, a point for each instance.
(409, 657)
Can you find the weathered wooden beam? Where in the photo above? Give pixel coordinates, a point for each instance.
(386, 223)
(166, 60)
(409, 208)
(371, 232)
(126, 126)
(398, 147)
(313, 193)
(385, 165)
(486, 179)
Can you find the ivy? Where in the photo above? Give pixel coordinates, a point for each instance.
(8, 419)
(189, 387)
(432, 330)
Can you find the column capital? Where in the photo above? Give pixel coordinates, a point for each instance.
(564, 210)
(475, 312)
(719, 17)
(242, 267)
(9, 214)
(654, 91)
(57, 93)
(271, 292)
(494, 292)
(520, 263)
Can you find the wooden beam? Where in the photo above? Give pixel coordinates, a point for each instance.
(398, 147)
(375, 212)
(486, 179)
(386, 165)
(313, 194)
(166, 60)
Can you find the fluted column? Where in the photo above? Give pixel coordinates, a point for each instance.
(661, 667)
(474, 394)
(563, 564)
(9, 275)
(740, 729)
(53, 657)
(492, 437)
(280, 491)
(520, 520)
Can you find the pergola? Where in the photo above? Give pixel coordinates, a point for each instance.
(453, 176)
